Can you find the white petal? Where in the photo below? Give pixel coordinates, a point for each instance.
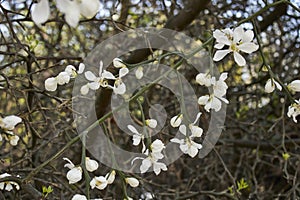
(139, 73)
(70, 69)
(182, 129)
(248, 36)
(158, 166)
(240, 60)
(110, 177)
(269, 87)
(203, 100)
(219, 46)
(157, 146)
(295, 86)
(11, 121)
(216, 104)
(91, 165)
(223, 76)
(123, 71)
(152, 123)
(99, 182)
(146, 164)
(13, 140)
(238, 34)
(84, 89)
(81, 68)
(89, 8)
(133, 182)
(248, 47)
(79, 197)
(74, 175)
(176, 121)
(71, 9)
(120, 89)
(90, 76)
(51, 84)
(220, 54)
(278, 86)
(197, 117)
(196, 131)
(8, 186)
(94, 85)
(136, 139)
(176, 140)
(192, 151)
(108, 75)
(133, 129)
(118, 63)
(40, 12)
(63, 78)
(70, 164)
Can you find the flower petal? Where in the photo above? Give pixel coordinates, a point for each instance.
(90, 76)
(239, 59)
(89, 8)
(40, 12)
(220, 54)
(51, 84)
(248, 47)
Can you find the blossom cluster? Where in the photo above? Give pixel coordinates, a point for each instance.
(7, 125)
(294, 86)
(187, 145)
(238, 40)
(219, 90)
(63, 77)
(8, 185)
(294, 108)
(95, 82)
(72, 9)
(74, 175)
(153, 153)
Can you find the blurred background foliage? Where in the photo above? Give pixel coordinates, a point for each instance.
(248, 161)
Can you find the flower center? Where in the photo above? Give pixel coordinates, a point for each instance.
(233, 47)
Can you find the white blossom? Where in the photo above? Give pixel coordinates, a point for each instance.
(133, 182)
(139, 73)
(238, 41)
(137, 137)
(8, 185)
(8, 123)
(187, 145)
(294, 110)
(40, 12)
(99, 182)
(63, 78)
(79, 197)
(74, 175)
(74, 8)
(96, 81)
(204, 79)
(119, 86)
(13, 139)
(271, 84)
(91, 165)
(157, 146)
(152, 123)
(176, 120)
(110, 177)
(152, 156)
(51, 84)
(118, 63)
(294, 86)
(213, 101)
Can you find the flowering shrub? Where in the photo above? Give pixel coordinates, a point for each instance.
(48, 144)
